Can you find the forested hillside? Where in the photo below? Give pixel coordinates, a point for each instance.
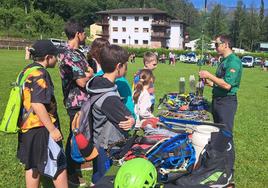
(45, 18)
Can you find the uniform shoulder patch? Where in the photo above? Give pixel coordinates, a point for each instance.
(232, 70)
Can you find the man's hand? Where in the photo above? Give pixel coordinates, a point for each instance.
(126, 125)
(209, 82)
(55, 135)
(204, 74)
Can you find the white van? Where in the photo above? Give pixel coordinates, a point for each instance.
(247, 61)
(58, 42)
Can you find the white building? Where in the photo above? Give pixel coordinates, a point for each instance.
(191, 45)
(141, 27)
(176, 40)
(94, 31)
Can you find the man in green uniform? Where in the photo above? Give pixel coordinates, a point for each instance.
(225, 86)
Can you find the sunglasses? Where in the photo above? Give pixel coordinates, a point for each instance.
(217, 44)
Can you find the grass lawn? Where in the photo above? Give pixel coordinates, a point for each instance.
(250, 131)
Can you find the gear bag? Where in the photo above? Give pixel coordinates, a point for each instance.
(174, 155)
(82, 146)
(11, 116)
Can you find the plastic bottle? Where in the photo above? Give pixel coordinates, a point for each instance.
(200, 88)
(192, 83)
(182, 85)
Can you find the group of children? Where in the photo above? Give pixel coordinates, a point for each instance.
(112, 118)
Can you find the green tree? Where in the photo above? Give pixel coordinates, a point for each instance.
(237, 23)
(207, 41)
(261, 22)
(265, 29)
(8, 4)
(6, 20)
(216, 22)
(250, 29)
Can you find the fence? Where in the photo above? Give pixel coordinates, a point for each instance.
(14, 44)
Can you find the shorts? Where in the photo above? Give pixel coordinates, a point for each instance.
(33, 151)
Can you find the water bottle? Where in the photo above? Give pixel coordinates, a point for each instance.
(192, 84)
(200, 88)
(182, 85)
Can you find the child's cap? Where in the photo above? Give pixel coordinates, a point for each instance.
(41, 48)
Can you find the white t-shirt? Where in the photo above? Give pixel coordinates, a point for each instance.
(143, 107)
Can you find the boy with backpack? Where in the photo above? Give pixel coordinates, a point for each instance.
(39, 141)
(74, 72)
(111, 118)
(150, 62)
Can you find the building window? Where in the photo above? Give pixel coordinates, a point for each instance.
(136, 41)
(145, 18)
(145, 30)
(124, 41)
(115, 18)
(115, 29)
(115, 41)
(124, 29)
(124, 18)
(136, 30)
(145, 41)
(136, 18)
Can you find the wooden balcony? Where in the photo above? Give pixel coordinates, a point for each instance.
(160, 35)
(160, 23)
(103, 34)
(103, 23)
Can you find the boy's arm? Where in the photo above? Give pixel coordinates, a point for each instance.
(117, 113)
(125, 92)
(41, 93)
(42, 114)
(80, 74)
(81, 82)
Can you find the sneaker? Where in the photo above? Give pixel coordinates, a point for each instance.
(85, 166)
(216, 179)
(231, 185)
(91, 184)
(75, 180)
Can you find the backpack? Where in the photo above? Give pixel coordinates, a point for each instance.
(172, 156)
(198, 103)
(142, 145)
(11, 116)
(82, 146)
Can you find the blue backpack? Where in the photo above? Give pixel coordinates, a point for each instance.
(82, 146)
(174, 156)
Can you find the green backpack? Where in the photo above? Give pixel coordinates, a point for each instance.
(10, 119)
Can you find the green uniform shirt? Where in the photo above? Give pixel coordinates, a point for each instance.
(230, 70)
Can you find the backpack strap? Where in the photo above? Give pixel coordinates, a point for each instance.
(81, 116)
(127, 145)
(23, 75)
(20, 81)
(101, 99)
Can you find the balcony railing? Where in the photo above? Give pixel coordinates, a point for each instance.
(102, 23)
(100, 33)
(160, 23)
(159, 35)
